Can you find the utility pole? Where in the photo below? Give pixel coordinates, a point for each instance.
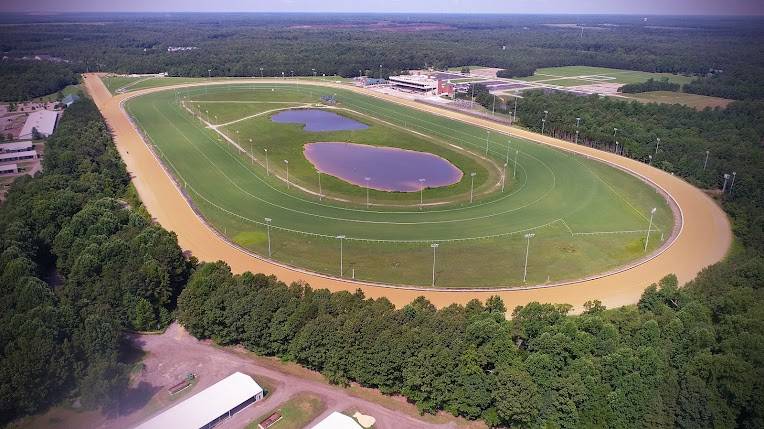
(647, 238)
(289, 185)
(367, 179)
(268, 222)
(421, 193)
(504, 178)
(705, 163)
(733, 181)
(527, 250)
(514, 170)
(472, 185)
(341, 238)
(434, 247)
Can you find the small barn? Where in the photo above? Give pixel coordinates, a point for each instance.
(210, 406)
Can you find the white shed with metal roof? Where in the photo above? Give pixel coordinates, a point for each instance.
(210, 406)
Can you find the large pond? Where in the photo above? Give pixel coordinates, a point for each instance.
(388, 168)
(317, 120)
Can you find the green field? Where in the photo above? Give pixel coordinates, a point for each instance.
(599, 74)
(296, 413)
(587, 217)
(698, 102)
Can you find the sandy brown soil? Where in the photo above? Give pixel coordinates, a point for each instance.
(704, 238)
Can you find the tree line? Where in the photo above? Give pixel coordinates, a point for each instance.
(22, 80)
(650, 85)
(722, 52)
(81, 263)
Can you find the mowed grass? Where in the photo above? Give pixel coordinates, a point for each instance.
(617, 75)
(296, 413)
(553, 194)
(698, 102)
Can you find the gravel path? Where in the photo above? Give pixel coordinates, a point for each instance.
(170, 356)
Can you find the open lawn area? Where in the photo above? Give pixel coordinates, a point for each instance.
(296, 413)
(601, 74)
(698, 102)
(586, 217)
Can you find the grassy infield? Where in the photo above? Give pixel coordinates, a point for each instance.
(554, 193)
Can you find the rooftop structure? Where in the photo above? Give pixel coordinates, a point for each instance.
(208, 407)
(70, 99)
(9, 169)
(18, 156)
(16, 146)
(416, 82)
(42, 120)
(337, 420)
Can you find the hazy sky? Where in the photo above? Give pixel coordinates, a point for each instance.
(704, 7)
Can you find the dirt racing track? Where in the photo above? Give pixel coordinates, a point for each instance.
(702, 239)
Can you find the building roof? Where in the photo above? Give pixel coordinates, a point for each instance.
(415, 80)
(337, 420)
(16, 155)
(43, 120)
(6, 167)
(16, 146)
(207, 405)
(69, 99)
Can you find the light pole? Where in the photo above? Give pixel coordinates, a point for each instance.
(514, 116)
(268, 223)
(434, 247)
(724, 187)
(252, 151)
(367, 179)
(421, 193)
(472, 185)
(657, 143)
(493, 108)
(487, 137)
(616, 147)
(509, 144)
(261, 72)
(543, 124)
(650, 162)
(705, 163)
(514, 170)
(289, 185)
(267, 166)
(320, 192)
(380, 72)
(650, 226)
(733, 181)
(527, 250)
(615, 131)
(504, 178)
(578, 121)
(341, 237)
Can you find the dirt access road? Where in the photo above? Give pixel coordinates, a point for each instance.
(170, 356)
(704, 237)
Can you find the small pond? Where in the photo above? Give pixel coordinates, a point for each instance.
(389, 168)
(317, 120)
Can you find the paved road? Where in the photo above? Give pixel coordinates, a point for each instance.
(175, 353)
(703, 240)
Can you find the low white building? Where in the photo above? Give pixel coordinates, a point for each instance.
(18, 156)
(416, 82)
(16, 146)
(337, 420)
(210, 406)
(44, 121)
(9, 169)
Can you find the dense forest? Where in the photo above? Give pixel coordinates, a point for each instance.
(80, 263)
(26, 79)
(724, 53)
